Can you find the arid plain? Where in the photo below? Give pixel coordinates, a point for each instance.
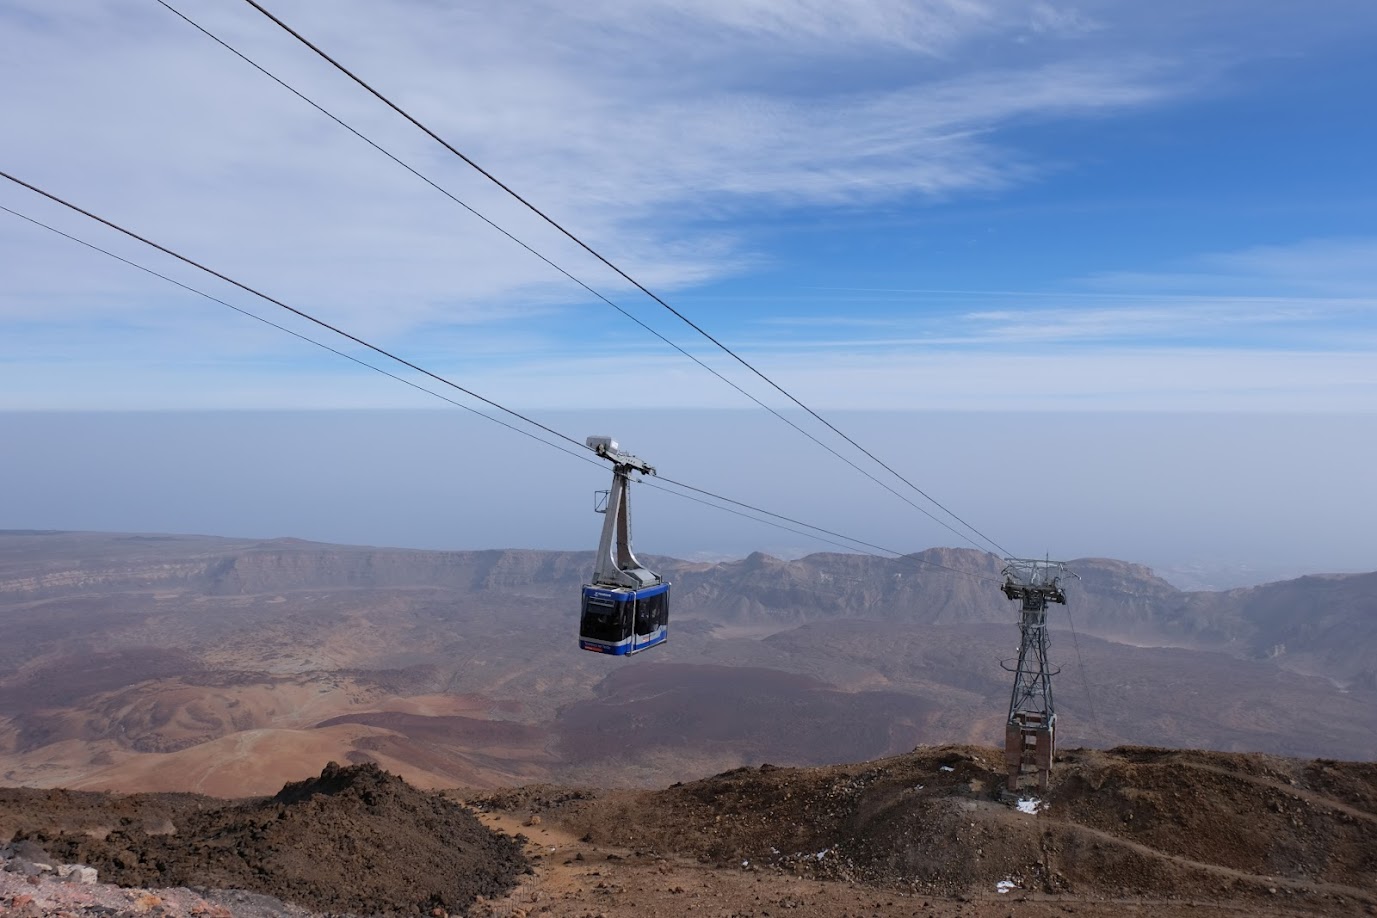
(227, 667)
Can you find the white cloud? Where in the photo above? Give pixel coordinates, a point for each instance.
(642, 125)
(1175, 379)
(1331, 268)
(1095, 379)
(635, 143)
(927, 25)
(1318, 294)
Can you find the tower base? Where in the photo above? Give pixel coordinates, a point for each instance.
(1029, 744)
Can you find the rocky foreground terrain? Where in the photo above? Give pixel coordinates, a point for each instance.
(1128, 831)
(355, 840)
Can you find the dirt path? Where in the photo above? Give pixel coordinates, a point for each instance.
(1292, 790)
(1319, 890)
(578, 879)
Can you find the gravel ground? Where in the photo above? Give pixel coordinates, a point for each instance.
(355, 840)
(31, 897)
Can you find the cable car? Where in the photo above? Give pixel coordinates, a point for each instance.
(623, 620)
(625, 607)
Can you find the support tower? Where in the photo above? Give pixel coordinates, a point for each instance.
(1030, 733)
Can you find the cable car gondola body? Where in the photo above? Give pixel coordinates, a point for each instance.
(625, 607)
(623, 620)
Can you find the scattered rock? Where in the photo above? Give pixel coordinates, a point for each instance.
(77, 873)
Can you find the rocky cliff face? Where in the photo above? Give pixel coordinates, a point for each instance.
(273, 570)
(1321, 625)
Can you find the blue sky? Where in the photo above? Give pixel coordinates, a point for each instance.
(956, 205)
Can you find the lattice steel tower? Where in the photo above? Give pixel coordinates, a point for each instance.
(1030, 733)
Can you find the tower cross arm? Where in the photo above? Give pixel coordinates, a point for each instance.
(1025, 578)
(608, 449)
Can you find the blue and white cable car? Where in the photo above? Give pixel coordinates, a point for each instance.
(626, 607)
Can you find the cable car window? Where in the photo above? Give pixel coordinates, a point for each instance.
(652, 612)
(603, 620)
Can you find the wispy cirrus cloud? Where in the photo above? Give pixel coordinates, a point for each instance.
(646, 127)
(639, 144)
(1319, 293)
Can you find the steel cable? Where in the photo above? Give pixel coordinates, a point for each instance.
(604, 260)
